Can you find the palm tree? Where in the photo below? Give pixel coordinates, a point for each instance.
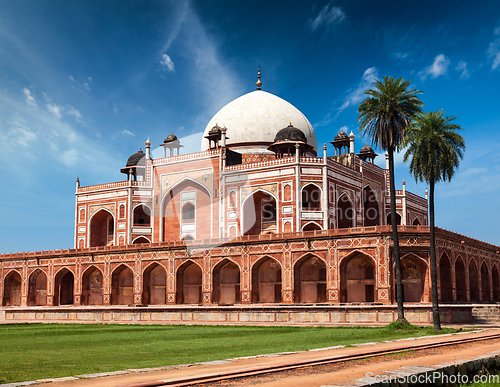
(385, 115)
(435, 150)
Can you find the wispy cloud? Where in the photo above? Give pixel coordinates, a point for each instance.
(437, 68)
(494, 49)
(30, 100)
(55, 110)
(166, 63)
(329, 15)
(127, 133)
(462, 67)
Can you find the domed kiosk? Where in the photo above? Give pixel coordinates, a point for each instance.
(253, 121)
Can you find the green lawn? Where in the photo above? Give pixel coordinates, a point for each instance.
(38, 351)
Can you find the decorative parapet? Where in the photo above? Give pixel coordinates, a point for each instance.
(238, 167)
(189, 156)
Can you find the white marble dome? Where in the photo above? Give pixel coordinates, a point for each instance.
(256, 117)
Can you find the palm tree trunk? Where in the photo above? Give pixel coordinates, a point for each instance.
(395, 239)
(435, 301)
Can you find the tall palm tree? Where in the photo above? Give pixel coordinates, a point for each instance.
(385, 115)
(435, 150)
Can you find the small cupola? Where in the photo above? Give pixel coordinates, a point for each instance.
(286, 141)
(171, 143)
(366, 153)
(136, 164)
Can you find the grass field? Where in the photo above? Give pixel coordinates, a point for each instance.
(38, 351)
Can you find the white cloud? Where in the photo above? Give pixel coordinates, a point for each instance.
(358, 94)
(54, 109)
(462, 67)
(70, 110)
(127, 132)
(166, 63)
(494, 50)
(86, 86)
(30, 100)
(438, 67)
(329, 15)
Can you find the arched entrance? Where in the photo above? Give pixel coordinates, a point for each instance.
(389, 219)
(413, 272)
(64, 285)
(142, 216)
(122, 286)
(259, 214)
(371, 214)
(345, 212)
(357, 279)
(311, 227)
(460, 280)
(12, 289)
(226, 283)
(445, 279)
(154, 289)
(496, 283)
(311, 198)
(485, 283)
(92, 287)
(140, 240)
(266, 281)
(310, 280)
(37, 290)
(189, 281)
(102, 229)
(473, 282)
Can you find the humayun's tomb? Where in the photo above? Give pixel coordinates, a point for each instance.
(260, 226)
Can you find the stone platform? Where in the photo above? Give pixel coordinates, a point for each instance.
(321, 314)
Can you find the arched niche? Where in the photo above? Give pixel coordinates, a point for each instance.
(496, 283)
(473, 282)
(357, 278)
(102, 228)
(92, 287)
(226, 283)
(371, 213)
(389, 219)
(485, 283)
(310, 280)
(12, 289)
(460, 280)
(311, 226)
(63, 289)
(311, 198)
(266, 281)
(141, 240)
(154, 288)
(142, 216)
(413, 272)
(416, 222)
(189, 282)
(445, 279)
(37, 288)
(345, 212)
(122, 286)
(259, 214)
(188, 214)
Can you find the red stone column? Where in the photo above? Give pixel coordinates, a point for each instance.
(287, 276)
(171, 281)
(50, 283)
(245, 286)
(332, 275)
(206, 285)
(24, 285)
(106, 291)
(77, 288)
(138, 280)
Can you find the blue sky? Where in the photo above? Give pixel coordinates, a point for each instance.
(84, 83)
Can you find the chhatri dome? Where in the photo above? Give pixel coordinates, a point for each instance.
(254, 119)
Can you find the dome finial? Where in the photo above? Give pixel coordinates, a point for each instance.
(259, 83)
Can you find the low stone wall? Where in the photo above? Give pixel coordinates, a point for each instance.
(245, 315)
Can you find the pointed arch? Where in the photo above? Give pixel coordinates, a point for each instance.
(92, 281)
(189, 280)
(142, 215)
(12, 289)
(311, 197)
(460, 280)
(371, 209)
(140, 239)
(154, 288)
(309, 279)
(226, 283)
(416, 221)
(357, 278)
(37, 288)
(445, 279)
(345, 212)
(496, 283)
(259, 213)
(101, 228)
(64, 286)
(485, 283)
(311, 226)
(389, 218)
(266, 280)
(414, 272)
(473, 282)
(122, 285)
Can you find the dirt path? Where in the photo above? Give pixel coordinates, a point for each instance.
(313, 376)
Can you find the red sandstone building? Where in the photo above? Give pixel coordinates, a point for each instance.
(260, 216)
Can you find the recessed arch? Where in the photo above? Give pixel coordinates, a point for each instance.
(371, 210)
(188, 213)
(311, 226)
(357, 278)
(416, 221)
(142, 215)
(259, 213)
(64, 286)
(309, 279)
(154, 288)
(473, 282)
(413, 271)
(266, 281)
(496, 283)
(389, 219)
(460, 280)
(226, 283)
(122, 285)
(92, 284)
(12, 289)
(140, 239)
(345, 212)
(311, 197)
(445, 279)
(102, 228)
(485, 283)
(189, 280)
(37, 288)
